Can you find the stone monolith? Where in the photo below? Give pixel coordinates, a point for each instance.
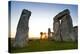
(21, 38)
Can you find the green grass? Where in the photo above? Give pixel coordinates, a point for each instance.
(45, 45)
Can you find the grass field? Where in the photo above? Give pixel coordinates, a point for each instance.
(45, 45)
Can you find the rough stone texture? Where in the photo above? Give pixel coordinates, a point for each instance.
(63, 27)
(61, 14)
(56, 28)
(66, 27)
(75, 28)
(22, 29)
(74, 34)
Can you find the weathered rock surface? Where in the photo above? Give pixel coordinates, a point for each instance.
(75, 28)
(63, 27)
(74, 34)
(56, 28)
(66, 28)
(21, 37)
(61, 14)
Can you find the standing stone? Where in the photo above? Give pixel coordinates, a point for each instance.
(41, 35)
(74, 34)
(21, 37)
(66, 27)
(56, 28)
(49, 33)
(75, 28)
(63, 26)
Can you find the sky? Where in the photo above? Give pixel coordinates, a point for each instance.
(41, 17)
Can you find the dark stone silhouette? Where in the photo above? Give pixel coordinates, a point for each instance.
(22, 29)
(41, 34)
(49, 33)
